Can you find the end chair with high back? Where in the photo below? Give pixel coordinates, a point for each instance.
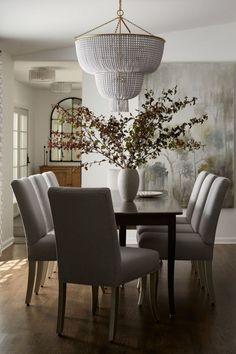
(40, 242)
(88, 249)
(199, 244)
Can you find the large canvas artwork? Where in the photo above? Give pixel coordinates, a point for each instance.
(213, 84)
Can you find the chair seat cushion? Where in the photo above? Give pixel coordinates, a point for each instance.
(137, 262)
(182, 228)
(189, 246)
(44, 249)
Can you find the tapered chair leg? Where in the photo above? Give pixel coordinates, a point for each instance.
(38, 281)
(153, 279)
(142, 290)
(113, 313)
(209, 281)
(194, 267)
(31, 278)
(138, 284)
(94, 299)
(201, 274)
(61, 307)
(50, 268)
(44, 272)
(103, 289)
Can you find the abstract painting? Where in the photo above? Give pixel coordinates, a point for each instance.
(214, 86)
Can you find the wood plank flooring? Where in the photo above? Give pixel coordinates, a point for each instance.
(197, 328)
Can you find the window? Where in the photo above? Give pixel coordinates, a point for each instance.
(20, 143)
(66, 106)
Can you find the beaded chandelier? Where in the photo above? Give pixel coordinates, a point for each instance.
(119, 60)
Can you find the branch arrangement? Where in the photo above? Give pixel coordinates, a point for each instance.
(129, 141)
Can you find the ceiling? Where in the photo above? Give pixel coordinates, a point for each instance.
(28, 26)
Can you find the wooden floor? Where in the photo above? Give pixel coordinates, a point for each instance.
(196, 329)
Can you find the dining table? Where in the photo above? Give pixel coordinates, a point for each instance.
(156, 209)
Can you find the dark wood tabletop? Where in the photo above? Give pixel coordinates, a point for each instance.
(160, 204)
(159, 210)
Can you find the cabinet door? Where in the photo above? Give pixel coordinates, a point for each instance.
(76, 177)
(63, 177)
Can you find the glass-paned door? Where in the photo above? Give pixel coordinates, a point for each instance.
(20, 143)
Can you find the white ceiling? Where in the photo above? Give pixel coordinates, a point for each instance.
(28, 26)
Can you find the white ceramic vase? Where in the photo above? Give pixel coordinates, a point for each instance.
(128, 183)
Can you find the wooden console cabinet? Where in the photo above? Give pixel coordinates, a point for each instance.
(66, 175)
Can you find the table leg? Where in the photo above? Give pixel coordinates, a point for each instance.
(171, 263)
(122, 235)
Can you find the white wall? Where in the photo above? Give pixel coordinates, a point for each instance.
(7, 212)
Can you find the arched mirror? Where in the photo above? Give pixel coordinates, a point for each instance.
(66, 105)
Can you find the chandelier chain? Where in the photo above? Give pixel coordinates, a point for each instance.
(121, 20)
(120, 12)
(142, 29)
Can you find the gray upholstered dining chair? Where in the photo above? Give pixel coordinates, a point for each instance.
(40, 242)
(183, 224)
(192, 199)
(51, 180)
(41, 188)
(199, 244)
(88, 249)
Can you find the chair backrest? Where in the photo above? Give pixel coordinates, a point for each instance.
(50, 178)
(212, 208)
(201, 200)
(194, 194)
(30, 209)
(41, 188)
(86, 235)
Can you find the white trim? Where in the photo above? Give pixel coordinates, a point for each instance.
(19, 239)
(7, 243)
(225, 240)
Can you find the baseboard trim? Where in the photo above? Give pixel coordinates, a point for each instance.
(225, 240)
(7, 243)
(19, 239)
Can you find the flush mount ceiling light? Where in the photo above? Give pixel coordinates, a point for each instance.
(61, 87)
(119, 60)
(44, 74)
